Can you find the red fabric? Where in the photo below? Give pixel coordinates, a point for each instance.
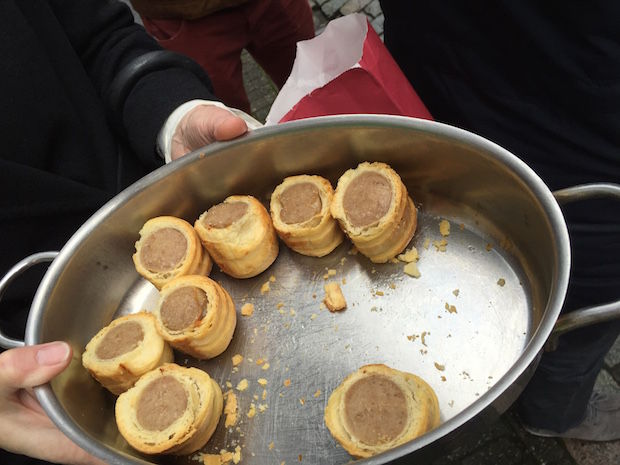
(268, 29)
(378, 86)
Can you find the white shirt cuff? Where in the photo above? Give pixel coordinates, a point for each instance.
(164, 139)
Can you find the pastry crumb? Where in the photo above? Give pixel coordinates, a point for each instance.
(440, 367)
(271, 445)
(410, 255)
(262, 381)
(287, 382)
(501, 282)
(211, 459)
(444, 228)
(317, 393)
(456, 292)
(252, 412)
(265, 366)
(243, 385)
(334, 299)
(225, 456)
(247, 309)
(265, 288)
(412, 270)
(237, 455)
(441, 245)
(427, 243)
(230, 409)
(237, 359)
(450, 308)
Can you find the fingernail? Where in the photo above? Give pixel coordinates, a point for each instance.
(52, 353)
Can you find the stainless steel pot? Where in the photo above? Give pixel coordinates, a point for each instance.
(505, 272)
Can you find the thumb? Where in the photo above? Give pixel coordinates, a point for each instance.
(203, 125)
(31, 366)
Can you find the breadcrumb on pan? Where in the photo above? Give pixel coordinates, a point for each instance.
(334, 299)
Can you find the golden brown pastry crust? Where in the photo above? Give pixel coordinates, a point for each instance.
(119, 373)
(422, 408)
(186, 434)
(385, 238)
(195, 262)
(316, 236)
(245, 248)
(209, 336)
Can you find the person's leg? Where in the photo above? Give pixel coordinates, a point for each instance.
(275, 28)
(215, 42)
(559, 396)
(556, 398)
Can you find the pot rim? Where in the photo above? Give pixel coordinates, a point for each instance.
(55, 411)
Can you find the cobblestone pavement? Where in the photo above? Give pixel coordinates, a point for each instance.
(506, 442)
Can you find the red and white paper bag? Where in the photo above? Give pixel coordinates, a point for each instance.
(345, 70)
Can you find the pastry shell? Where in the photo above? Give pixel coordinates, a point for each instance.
(186, 434)
(422, 408)
(119, 373)
(316, 236)
(210, 335)
(195, 262)
(245, 248)
(386, 237)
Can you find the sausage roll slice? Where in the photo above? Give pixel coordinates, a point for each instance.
(124, 350)
(378, 408)
(196, 316)
(169, 247)
(239, 235)
(374, 209)
(300, 211)
(170, 410)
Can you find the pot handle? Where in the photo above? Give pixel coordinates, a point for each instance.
(589, 315)
(34, 259)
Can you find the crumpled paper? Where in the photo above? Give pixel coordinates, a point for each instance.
(345, 70)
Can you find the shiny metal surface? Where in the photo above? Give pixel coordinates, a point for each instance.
(512, 229)
(595, 314)
(17, 269)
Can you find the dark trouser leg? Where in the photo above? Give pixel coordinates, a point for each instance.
(557, 396)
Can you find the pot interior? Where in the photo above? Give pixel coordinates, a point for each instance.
(469, 325)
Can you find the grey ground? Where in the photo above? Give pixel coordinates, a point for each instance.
(506, 442)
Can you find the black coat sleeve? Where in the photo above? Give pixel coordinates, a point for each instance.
(107, 40)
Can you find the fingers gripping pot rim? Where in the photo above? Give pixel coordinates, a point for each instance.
(168, 248)
(375, 211)
(124, 350)
(300, 210)
(170, 410)
(196, 316)
(239, 236)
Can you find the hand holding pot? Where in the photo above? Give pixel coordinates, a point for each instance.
(203, 125)
(24, 426)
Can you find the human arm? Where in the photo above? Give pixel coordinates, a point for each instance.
(24, 426)
(110, 44)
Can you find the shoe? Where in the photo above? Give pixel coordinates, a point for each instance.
(601, 421)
